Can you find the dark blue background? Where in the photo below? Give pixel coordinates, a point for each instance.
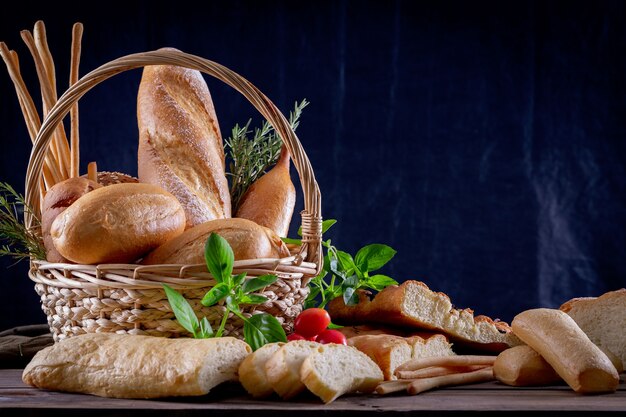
(485, 141)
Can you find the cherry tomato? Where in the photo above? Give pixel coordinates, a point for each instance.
(295, 336)
(332, 336)
(312, 322)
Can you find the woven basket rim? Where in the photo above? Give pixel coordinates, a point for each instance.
(310, 252)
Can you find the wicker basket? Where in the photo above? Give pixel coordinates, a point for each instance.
(129, 298)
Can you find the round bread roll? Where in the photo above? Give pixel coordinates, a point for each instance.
(117, 224)
(248, 240)
(58, 198)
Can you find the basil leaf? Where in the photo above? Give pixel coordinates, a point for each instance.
(219, 258)
(311, 298)
(346, 261)
(232, 304)
(350, 296)
(239, 278)
(215, 294)
(185, 315)
(373, 257)
(326, 224)
(350, 282)
(334, 326)
(206, 331)
(291, 241)
(256, 284)
(261, 329)
(253, 299)
(379, 282)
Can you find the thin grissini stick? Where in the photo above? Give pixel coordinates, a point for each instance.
(92, 171)
(426, 384)
(77, 34)
(457, 360)
(48, 101)
(41, 43)
(438, 371)
(389, 387)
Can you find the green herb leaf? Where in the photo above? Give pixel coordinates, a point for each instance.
(239, 278)
(206, 331)
(350, 296)
(261, 329)
(215, 294)
(334, 326)
(291, 241)
(373, 257)
(182, 310)
(256, 284)
(311, 300)
(233, 304)
(253, 299)
(326, 224)
(379, 282)
(219, 258)
(346, 261)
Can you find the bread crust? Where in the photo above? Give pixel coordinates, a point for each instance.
(559, 340)
(126, 366)
(522, 366)
(117, 224)
(252, 373)
(180, 145)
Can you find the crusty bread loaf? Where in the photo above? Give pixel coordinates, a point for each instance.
(283, 368)
(247, 239)
(333, 370)
(180, 145)
(522, 366)
(270, 200)
(58, 198)
(603, 319)
(558, 339)
(413, 305)
(252, 373)
(117, 224)
(125, 366)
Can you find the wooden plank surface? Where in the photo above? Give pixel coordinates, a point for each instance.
(491, 398)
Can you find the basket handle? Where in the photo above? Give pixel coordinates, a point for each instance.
(311, 215)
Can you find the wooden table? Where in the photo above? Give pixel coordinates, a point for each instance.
(491, 399)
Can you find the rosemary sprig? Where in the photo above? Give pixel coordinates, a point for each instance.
(17, 240)
(250, 159)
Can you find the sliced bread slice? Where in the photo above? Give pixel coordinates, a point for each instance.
(333, 370)
(252, 373)
(283, 368)
(387, 351)
(429, 345)
(603, 319)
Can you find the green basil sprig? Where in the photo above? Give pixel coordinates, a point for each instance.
(343, 275)
(233, 291)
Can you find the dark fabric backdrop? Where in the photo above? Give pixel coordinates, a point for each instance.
(485, 141)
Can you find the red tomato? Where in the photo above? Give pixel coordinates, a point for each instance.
(312, 322)
(295, 336)
(332, 336)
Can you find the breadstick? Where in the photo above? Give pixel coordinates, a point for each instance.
(92, 171)
(77, 34)
(432, 371)
(389, 387)
(456, 360)
(426, 384)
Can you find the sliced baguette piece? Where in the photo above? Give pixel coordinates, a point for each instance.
(128, 366)
(413, 305)
(387, 351)
(333, 370)
(603, 319)
(252, 373)
(428, 345)
(283, 368)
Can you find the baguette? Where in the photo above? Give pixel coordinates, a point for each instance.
(559, 340)
(414, 306)
(603, 319)
(252, 373)
(247, 239)
(117, 224)
(126, 366)
(180, 145)
(522, 366)
(58, 198)
(270, 200)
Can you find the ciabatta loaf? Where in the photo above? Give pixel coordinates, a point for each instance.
(522, 366)
(126, 366)
(413, 305)
(180, 145)
(252, 374)
(603, 319)
(333, 370)
(283, 368)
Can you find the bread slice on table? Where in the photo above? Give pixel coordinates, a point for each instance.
(603, 319)
(127, 366)
(413, 305)
(252, 373)
(283, 368)
(333, 370)
(429, 345)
